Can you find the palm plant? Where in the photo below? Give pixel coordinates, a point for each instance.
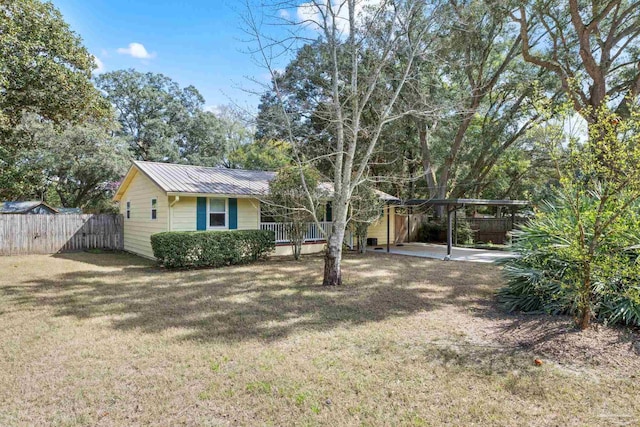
(565, 263)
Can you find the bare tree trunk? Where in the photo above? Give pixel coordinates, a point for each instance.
(297, 250)
(427, 165)
(333, 258)
(585, 314)
(353, 94)
(362, 244)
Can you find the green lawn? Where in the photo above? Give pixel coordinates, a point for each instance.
(108, 339)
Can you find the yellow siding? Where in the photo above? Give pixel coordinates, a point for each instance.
(139, 228)
(379, 228)
(183, 214)
(248, 214)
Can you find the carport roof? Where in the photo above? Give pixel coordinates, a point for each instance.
(467, 202)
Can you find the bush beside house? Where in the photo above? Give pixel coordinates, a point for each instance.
(193, 249)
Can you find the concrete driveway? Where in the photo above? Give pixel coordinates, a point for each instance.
(431, 250)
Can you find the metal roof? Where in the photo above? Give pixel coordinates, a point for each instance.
(175, 178)
(23, 207)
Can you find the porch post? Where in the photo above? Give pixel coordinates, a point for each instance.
(388, 227)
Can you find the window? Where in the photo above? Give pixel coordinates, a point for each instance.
(128, 209)
(217, 213)
(154, 208)
(328, 212)
(266, 214)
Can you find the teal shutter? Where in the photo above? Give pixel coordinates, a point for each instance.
(233, 214)
(329, 215)
(201, 213)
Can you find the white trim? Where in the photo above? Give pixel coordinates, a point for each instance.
(216, 195)
(226, 214)
(152, 209)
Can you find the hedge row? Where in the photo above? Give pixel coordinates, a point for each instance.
(193, 249)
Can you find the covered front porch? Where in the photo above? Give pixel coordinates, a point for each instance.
(316, 232)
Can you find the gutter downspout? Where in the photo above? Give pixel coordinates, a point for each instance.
(175, 200)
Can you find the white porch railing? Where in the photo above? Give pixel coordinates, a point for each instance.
(314, 233)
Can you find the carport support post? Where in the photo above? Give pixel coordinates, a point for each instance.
(455, 227)
(449, 234)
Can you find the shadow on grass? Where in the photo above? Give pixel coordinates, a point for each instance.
(105, 258)
(267, 300)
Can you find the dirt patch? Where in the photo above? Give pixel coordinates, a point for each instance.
(556, 338)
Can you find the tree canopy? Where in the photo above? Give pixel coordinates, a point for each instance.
(44, 68)
(73, 166)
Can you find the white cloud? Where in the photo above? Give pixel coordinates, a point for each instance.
(284, 14)
(137, 50)
(99, 65)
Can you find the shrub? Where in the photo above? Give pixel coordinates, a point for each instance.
(436, 231)
(547, 273)
(193, 249)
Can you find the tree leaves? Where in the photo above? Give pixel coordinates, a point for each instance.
(44, 68)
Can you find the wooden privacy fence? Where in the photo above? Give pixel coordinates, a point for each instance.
(406, 227)
(490, 229)
(48, 234)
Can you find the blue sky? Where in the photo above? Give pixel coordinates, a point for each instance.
(198, 42)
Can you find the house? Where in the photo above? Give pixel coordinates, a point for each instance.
(156, 197)
(28, 207)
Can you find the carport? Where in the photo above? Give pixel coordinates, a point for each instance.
(453, 205)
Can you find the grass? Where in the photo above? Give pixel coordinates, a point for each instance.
(108, 339)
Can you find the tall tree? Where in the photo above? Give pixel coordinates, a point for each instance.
(159, 118)
(76, 164)
(214, 136)
(591, 47)
(361, 46)
(81, 163)
(482, 91)
(580, 254)
(267, 155)
(44, 68)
